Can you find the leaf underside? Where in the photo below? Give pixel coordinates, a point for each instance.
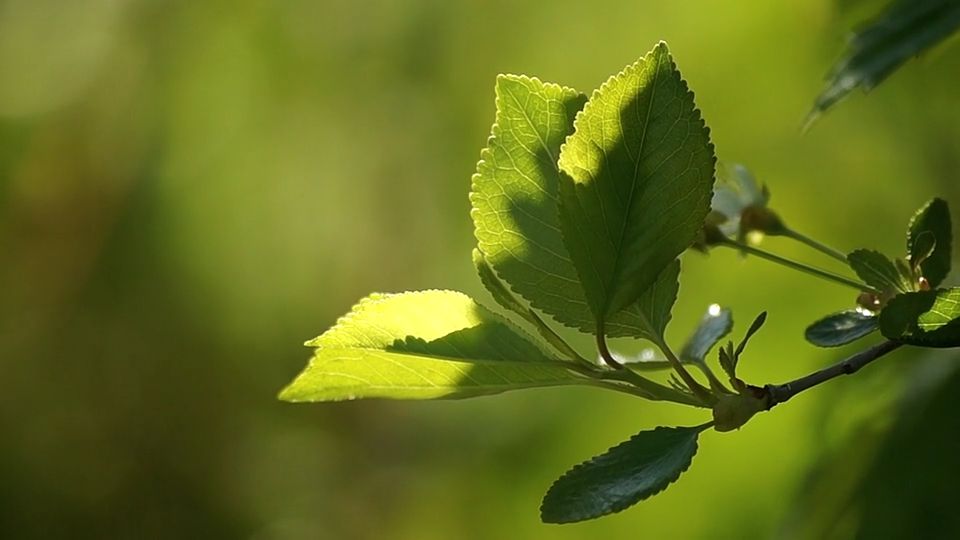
(877, 271)
(516, 209)
(902, 31)
(710, 330)
(423, 345)
(840, 328)
(925, 318)
(639, 173)
(621, 477)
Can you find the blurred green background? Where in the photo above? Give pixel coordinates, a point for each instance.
(189, 190)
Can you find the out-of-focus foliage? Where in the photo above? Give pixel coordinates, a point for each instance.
(888, 479)
(190, 189)
(902, 31)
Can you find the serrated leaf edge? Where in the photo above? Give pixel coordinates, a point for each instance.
(619, 508)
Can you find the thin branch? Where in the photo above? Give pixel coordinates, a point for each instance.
(816, 272)
(779, 393)
(810, 242)
(688, 379)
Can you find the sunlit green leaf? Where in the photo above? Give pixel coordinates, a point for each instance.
(877, 271)
(929, 240)
(515, 206)
(716, 323)
(904, 30)
(514, 195)
(925, 318)
(623, 476)
(840, 328)
(423, 345)
(508, 301)
(639, 176)
(495, 287)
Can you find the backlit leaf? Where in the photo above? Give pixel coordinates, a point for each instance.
(514, 195)
(423, 345)
(924, 318)
(639, 177)
(516, 213)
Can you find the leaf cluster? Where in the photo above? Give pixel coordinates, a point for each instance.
(581, 208)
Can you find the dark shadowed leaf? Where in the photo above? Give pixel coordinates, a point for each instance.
(929, 239)
(840, 328)
(623, 476)
(925, 318)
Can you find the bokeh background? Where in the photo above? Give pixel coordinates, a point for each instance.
(189, 190)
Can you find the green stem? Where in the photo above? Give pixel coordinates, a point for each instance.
(698, 389)
(628, 382)
(604, 350)
(554, 339)
(816, 272)
(778, 393)
(715, 383)
(822, 248)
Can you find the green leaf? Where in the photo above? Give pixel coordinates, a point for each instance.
(510, 302)
(515, 206)
(496, 287)
(623, 476)
(931, 225)
(716, 323)
(840, 328)
(514, 195)
(925, 318)
(639, 178)
(877, 271)
(655, 305)
(904, 30)
(423, 345)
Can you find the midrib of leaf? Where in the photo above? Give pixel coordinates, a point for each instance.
(462, 367)
(636, 175)
(543, 143)
(924, 322)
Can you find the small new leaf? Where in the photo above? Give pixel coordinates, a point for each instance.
(715, 324)
(423, 345)
(924, 318)
(726, 360)
(755, 327)
(877, 271)
(840, 328)
(623, 476)
(929, 239)
(639, 172)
